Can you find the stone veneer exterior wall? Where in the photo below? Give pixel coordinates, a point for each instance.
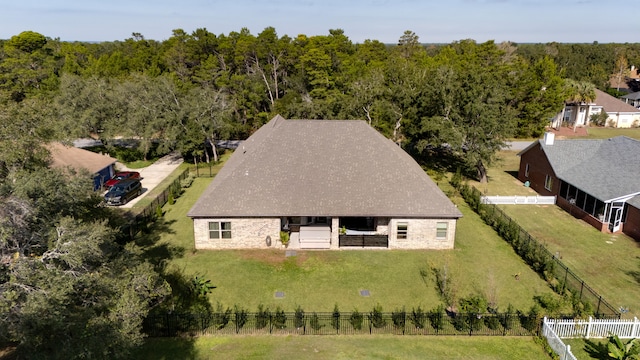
(246, 233)
(421, 234)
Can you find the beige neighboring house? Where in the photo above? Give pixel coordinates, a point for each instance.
(330, 184)
(101, 166)
(620, 114)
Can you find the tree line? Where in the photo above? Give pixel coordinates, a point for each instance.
(197, 88)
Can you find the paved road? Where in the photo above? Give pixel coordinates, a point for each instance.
(153, 174)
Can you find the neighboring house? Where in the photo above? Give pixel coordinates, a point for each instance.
(620, 114)
(101, 166)
(626, 81)
(595, 180)
(632, 99)
(331, 184)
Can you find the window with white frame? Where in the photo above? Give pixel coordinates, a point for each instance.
(548, 182)
(526, 170)
(402, 230)
(219, 230)
(441, 230)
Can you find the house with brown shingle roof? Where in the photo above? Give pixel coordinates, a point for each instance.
(619, 113)
(329, 184)
(101, 166)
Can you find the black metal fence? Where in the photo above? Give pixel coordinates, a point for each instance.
(363, 240)
(396, 323)
(149, 212)
(538, 256)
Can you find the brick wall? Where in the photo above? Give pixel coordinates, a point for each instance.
(539, 168)
(632, 223)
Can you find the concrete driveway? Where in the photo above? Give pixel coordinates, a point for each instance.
(153, 174)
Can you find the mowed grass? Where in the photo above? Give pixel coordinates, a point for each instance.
(610, 264)
(342, 347)
(317, 280)
(606, 132)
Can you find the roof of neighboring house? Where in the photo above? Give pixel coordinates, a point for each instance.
(634, 201)
(68, 156)
(612, 104)
(322, 168)
(606, 168)
(632, 96)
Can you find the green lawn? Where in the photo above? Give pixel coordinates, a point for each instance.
(317, 280)
(605, 132)
(608, 263)
(589, 348)
(342, 347)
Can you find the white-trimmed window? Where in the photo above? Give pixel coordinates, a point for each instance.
(548, 182)
(219, 230)
(526, 170)
(441, 230)
(402, 230)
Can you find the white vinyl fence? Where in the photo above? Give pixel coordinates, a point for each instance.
(518, 199)
(558, 346)
(595, 328)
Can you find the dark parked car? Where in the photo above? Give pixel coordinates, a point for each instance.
(122, 192)
(119, 176)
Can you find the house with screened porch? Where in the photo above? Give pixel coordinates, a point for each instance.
(595, 180)
(328, 184)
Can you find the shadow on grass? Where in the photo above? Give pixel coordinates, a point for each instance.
(166, 349)
(596, 350)
(513, 173)
(158, 254)
(635, 274)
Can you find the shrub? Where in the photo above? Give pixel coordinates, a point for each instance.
(186, 182)
(159, 212)
(356, 319)
(262, 317)
(221, 316)
(436, 318)
(418, 318)
(551, 304)
(530, 321)
(399, 318)
(279, 319)
(241, 317)
(314, 322)
(335, 318)
(299, 317)
(376, 318)
(171, 200)
(507, 318)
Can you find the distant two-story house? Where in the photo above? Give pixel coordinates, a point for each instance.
(595, 180)
(329, 184)
(620, 114)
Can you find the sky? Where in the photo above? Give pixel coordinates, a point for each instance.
(434, 21)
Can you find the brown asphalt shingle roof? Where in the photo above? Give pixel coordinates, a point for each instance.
(68, 156)
(612, 104)
(322, 168)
